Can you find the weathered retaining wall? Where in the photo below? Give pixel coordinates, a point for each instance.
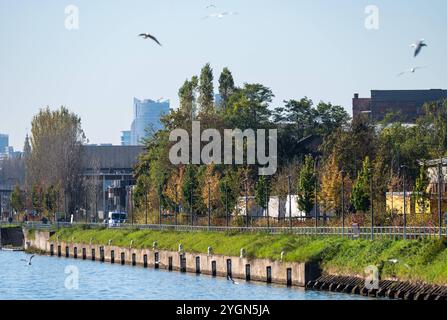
(264, 270)
(11, 237)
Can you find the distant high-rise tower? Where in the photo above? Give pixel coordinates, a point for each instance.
(4, 144)
(147, 116)
(126, 138)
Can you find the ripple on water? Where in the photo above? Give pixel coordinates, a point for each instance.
(46, 278)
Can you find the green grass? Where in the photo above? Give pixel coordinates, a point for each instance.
(418, 260)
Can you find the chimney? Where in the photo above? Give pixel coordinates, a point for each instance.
(356, 95)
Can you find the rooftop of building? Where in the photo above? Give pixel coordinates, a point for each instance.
(111, 157)
(406, 95)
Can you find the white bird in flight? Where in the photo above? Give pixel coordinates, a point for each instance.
(210, 6)
(418, 46)
(221, 15)
(28, 261)
(411, 70)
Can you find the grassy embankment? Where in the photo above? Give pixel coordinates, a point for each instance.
(423, 261)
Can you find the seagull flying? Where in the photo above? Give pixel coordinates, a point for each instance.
(147, 35)
(411, 70)
(220, 15)
(231, 279)
(210, 6)
(28, 261)
(418, 46)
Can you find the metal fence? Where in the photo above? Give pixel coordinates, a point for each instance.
(351, 232)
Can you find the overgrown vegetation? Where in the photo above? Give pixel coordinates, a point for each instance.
(358, 152)
(422, 260)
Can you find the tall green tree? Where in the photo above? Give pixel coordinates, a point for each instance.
(50, 199)
(187, 96)
(306, 185)
(56, 153)
(248, 108)
(206, 90)
(261, 192)
(420, 193)
(18, 199)
(37, 199)
(226, 86)
(190, 187)
(361, 191)
(230, 189)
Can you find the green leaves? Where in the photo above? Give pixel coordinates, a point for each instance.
(261, 192)
(306, 185)
(361, 189)
(206, 90)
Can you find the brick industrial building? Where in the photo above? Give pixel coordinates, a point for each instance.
(406, 104)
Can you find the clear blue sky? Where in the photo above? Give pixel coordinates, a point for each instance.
(314, 48)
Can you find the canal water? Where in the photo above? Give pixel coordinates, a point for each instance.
(70, 279)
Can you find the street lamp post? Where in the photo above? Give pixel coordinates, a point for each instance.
(190, 204)
(131, 204)
(289, 178)
(371, 190)
(405, 200)
(209, 205)
(440, 197)
(343, 203)
(267, 205)
(159, 204)
(246, 203)
(146, 204)
(227, 217)
(176, 207)
(317, 215)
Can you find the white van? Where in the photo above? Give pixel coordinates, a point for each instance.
(116, 218)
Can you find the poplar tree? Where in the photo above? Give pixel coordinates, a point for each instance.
(226, 86)
(361, 192)
(306, 186)
(206, 90)
(17, 199)
(261, 193)
(190, 186)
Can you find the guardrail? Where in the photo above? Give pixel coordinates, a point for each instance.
(389, 232)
